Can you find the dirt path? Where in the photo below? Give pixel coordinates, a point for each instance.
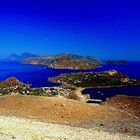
(25, 129)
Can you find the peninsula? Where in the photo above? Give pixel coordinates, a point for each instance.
(111, 78)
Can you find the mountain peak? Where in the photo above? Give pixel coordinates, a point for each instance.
(13, 57)
(25, 55)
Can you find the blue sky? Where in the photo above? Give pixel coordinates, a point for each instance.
(105, 29)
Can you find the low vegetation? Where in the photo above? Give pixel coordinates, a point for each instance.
(13, 86)
(110, 78)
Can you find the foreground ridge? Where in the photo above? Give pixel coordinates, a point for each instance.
(15, 128)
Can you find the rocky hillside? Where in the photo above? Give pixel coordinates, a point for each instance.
(66, 61)
(12, 81)
(128, 104)
(12, 85)
(57, 110)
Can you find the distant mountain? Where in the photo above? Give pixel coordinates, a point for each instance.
(117, 62)
(27, 55)
(15, 57)
(65, 61)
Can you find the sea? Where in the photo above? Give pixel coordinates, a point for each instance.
(37, 76)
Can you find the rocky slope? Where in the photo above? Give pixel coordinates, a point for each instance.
(65, 61)
(128, 104)
(66, 119)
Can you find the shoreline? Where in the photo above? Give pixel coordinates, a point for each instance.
(98, 87)
(87, 87)
(43, 65)
(78, 91)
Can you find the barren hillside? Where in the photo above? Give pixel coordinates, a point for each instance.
(66, 116)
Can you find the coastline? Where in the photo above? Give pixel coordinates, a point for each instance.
(43, 65)
(112, 86)
(78, 91)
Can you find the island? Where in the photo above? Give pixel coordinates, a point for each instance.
(110, 78)
(116, 62)
(20, 58)
(65, 61)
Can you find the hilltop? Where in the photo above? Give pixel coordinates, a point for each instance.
(13, 57)
(65, 61)
(12, 86)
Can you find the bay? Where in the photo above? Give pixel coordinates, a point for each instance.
(38, 75)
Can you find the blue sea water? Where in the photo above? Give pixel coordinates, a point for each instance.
(132, 69)
(37, 76)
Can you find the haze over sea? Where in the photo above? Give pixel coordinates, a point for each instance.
(37, 76)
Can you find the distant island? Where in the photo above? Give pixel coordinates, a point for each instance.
(116, 62)
(65, 61)
(23, 56)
